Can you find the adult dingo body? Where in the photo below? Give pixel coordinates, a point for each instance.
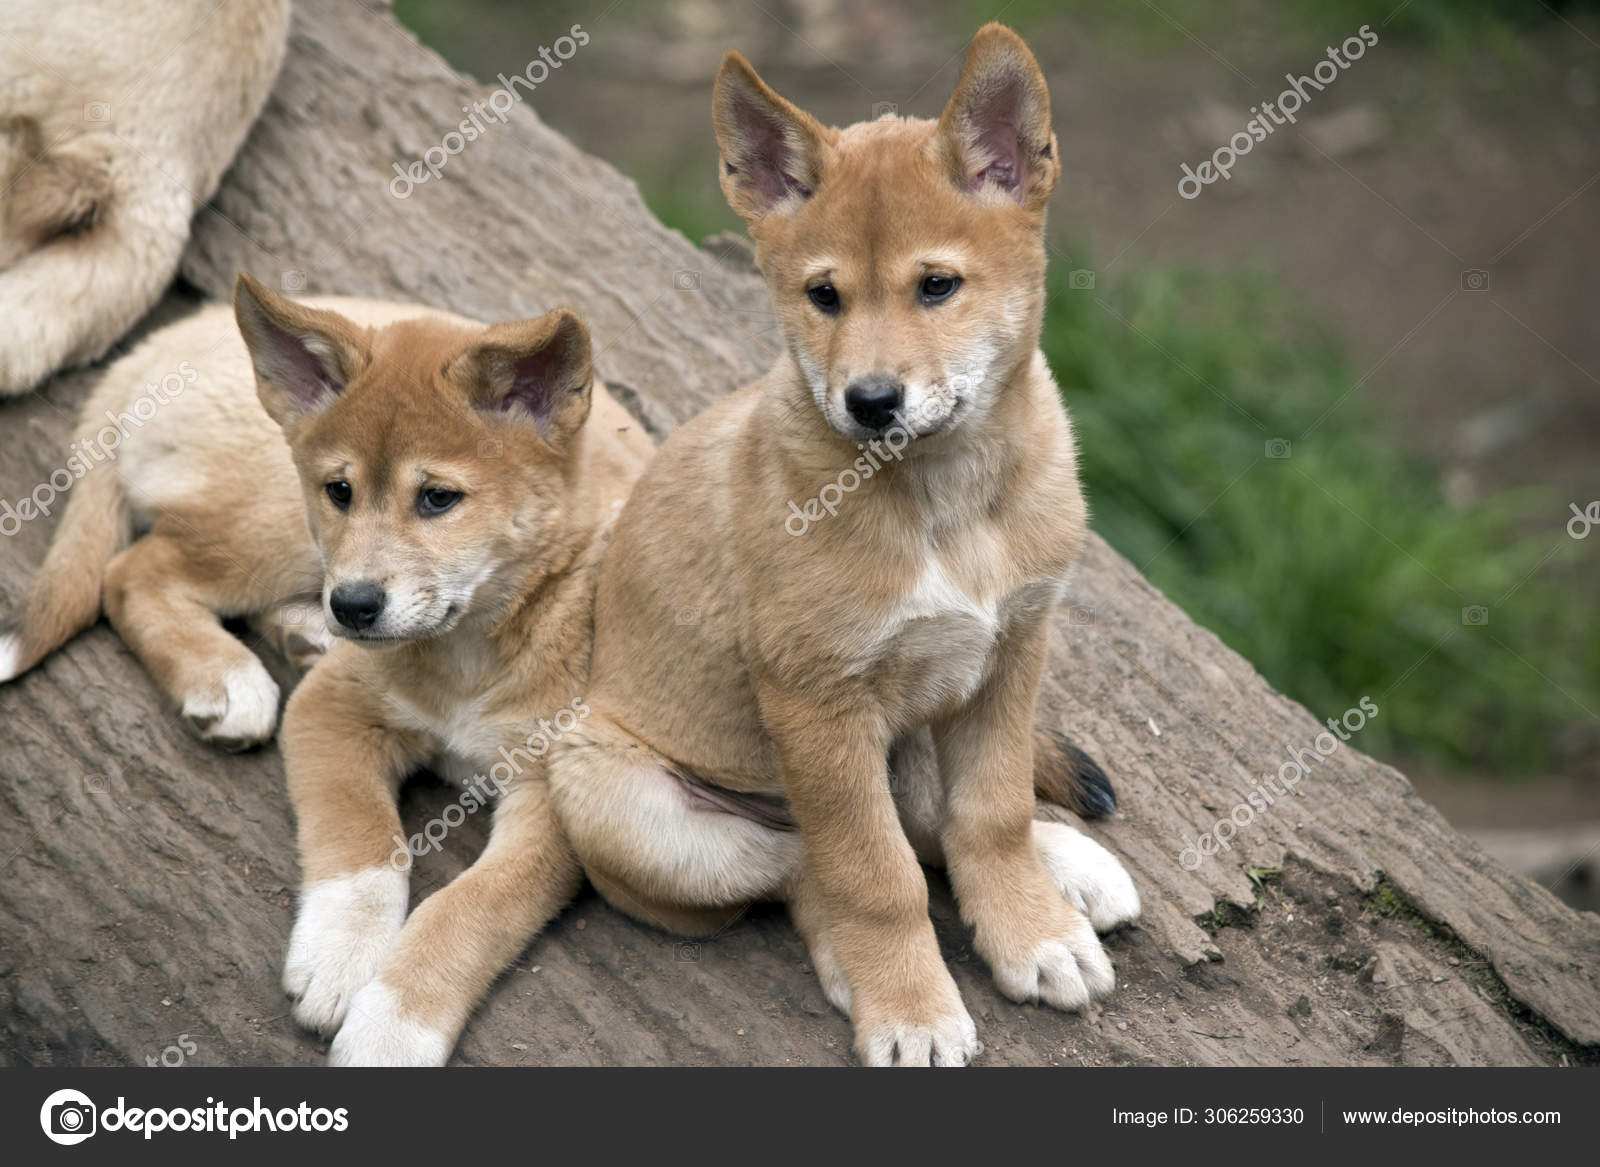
(117, 121)
(430, 497)
(868, 675)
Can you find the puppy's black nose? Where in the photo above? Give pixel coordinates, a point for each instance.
(873, 401)
(357, 605)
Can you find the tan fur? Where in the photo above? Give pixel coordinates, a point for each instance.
(418, 406)
(496, 595)
(921, 605)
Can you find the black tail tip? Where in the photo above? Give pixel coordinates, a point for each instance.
(1099, 796)
(1087, 789)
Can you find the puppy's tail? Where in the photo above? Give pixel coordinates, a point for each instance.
(1065, 775)
(64, 597)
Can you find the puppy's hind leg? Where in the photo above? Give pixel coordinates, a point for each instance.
(1091, 878)
(660, 845)
(918, 794)
(461, 938)
(163, 595)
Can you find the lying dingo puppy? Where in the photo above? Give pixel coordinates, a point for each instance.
(117, 120)
(459, 483)
(868, 672)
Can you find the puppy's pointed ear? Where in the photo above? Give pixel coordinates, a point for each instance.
(539, 370)
(995, 130)
(303, 357)
(771, 151)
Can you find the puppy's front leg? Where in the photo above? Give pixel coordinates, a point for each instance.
(1038, 945)
(462, 937)
(343, 765)
(860, 898)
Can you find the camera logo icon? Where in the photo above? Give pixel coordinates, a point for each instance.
(883, 109)
(1474, 279)
(68, 1117)
(97, 111)
(1277, 448)
(688, 952)
(1475, 616)
(686, 281)
(292, 281)
(1081, 280)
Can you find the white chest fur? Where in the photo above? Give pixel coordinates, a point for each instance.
(938, 645)
(465, 740)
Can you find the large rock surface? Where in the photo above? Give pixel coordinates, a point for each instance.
(146, 882)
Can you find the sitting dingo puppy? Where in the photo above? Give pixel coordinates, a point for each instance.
(870, 673)
(459, 483)
(117, 120)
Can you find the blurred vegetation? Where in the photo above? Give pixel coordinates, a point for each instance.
(1339, 571)
(1451, 29)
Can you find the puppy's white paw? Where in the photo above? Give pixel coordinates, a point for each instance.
(10, 655)
(299, 630)
(1089, 876)
(306, 646)
(952, 1040)
(1068, 972)
(237, 713)
(835, 986)
(344, 929)
(378, 1032)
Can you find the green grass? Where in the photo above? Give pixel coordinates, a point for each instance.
(681, 202)
(1339, 571)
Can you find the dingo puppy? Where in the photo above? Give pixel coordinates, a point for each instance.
(868, 674)
(117, 120)
(458, 483)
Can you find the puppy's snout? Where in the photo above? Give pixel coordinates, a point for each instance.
(357, 605)
(874, 401)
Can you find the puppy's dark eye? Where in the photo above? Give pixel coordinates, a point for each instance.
(435, 501)
(339, 493)
(824, 297)
(936, 288)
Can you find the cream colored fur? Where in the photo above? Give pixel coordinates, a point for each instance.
(117, 120)
(233, 516)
